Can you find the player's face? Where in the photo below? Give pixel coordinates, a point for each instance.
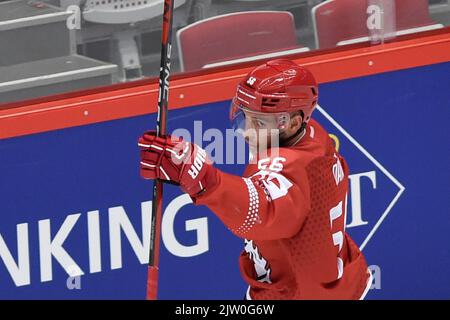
(260, 130)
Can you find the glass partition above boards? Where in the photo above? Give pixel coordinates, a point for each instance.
(58, 46)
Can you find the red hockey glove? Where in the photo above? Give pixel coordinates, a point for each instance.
(174, 160)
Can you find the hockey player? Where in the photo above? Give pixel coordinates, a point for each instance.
(290, 204)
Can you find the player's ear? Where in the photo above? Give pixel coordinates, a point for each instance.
(296, 122)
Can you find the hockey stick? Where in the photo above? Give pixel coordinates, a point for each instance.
(164, 74)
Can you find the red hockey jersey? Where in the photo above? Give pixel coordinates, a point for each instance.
(290, 208)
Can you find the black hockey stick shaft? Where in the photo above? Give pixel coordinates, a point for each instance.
(161, 127)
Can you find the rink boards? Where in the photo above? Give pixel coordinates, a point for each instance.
(72, 201)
